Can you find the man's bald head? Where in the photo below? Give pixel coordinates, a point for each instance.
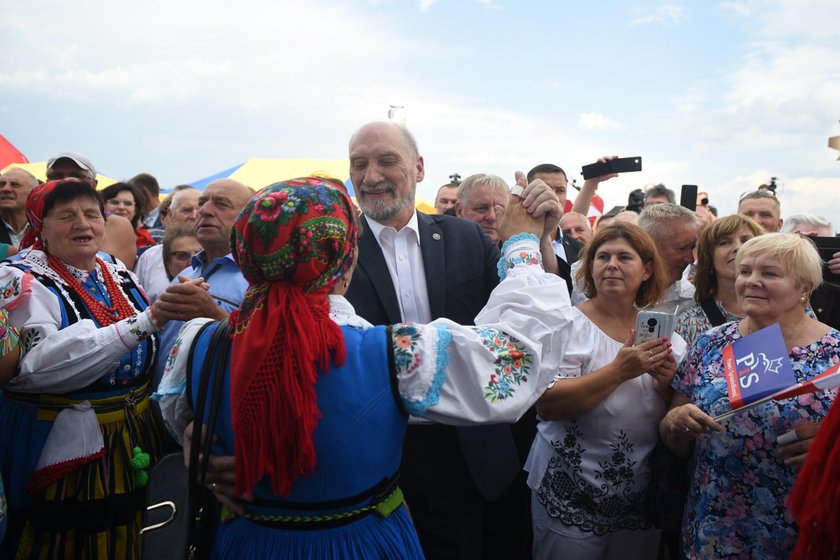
(218, 207)
(15, 185)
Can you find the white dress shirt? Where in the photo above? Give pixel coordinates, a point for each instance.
(557, 245)
(404, 258)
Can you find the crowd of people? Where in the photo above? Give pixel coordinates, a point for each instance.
(465, 385)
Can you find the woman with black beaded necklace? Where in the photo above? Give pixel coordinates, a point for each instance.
(78, 429)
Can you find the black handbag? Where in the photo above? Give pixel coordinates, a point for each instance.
(180, 511)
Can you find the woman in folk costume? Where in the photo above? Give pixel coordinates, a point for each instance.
(78, 432)
(315, 400)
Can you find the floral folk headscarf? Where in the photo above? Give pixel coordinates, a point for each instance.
(292, 241)
(35, 214)
(35, 203)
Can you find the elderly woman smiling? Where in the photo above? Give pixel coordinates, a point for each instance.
(742, 475)
(78, 431)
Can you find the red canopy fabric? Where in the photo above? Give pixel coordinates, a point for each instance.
(9, 154)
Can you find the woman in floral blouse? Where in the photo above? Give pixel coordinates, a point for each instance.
(742, 474)
(588, 466)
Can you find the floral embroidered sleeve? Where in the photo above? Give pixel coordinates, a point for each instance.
(61, 360)
(495, 371)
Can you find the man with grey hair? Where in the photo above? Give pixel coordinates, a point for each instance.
(15, 186)
(808, 225)
(418, 267)
(674, 230)
(151, 268)
(576, 226)
(659, 194)
(478, 197)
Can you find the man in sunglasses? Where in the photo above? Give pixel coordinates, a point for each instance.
(763, 207)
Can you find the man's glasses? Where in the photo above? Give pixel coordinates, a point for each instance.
(756, 194)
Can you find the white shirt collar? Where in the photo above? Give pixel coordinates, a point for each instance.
(376, 228)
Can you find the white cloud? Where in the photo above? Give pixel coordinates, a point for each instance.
(597, 121)
(740, 8)
(489, 4)
(664, 14)
(426, 4)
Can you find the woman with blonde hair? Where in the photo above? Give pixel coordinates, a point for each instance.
(745, 467)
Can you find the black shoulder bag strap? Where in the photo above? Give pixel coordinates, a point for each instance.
(214, 364)
(712, 311)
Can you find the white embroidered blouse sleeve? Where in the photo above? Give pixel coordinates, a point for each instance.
(171, 394)
(493, 372)
(63, 360)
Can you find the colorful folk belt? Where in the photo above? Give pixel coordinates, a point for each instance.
(384, 507)
(109, 409)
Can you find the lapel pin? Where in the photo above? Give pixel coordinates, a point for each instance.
(436, 236)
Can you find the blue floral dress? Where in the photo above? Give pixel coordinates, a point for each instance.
(736, 505)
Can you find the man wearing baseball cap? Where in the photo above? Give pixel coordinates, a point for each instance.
(119, 233)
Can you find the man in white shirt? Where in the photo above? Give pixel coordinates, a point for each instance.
(150, 267)
(417, 267)
(675, 231)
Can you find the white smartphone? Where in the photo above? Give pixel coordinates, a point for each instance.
(654, 324)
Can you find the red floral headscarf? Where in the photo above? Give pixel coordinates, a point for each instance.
(292, 241)
(35, 211)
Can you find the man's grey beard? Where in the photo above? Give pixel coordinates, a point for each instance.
(381, 210)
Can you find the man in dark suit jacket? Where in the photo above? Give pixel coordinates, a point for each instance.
(566, 248)
(417, 267)
(15, 185)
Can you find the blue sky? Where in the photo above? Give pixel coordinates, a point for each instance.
(720, 94)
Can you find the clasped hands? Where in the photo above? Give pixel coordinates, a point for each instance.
(186, 300)
(532, 208)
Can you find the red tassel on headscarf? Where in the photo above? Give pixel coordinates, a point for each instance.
(277, 369)
(292, 241)
(815, 499)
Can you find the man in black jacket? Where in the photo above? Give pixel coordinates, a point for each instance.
(15, 185)
(416, 267)
(566, 248)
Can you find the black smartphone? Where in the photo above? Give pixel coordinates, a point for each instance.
(620, 165)
(688, 197)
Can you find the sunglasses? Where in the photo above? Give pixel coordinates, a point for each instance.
(757, 194)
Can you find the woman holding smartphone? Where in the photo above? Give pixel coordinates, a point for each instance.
(598, 419)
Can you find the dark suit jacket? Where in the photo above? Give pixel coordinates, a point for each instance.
(825, 301)
(573, 247)
(460, 264)
(4, 234)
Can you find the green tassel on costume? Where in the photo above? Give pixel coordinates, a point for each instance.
(140, 462)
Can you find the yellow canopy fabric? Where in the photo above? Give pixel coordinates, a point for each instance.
(261, 172)
(258, 173)
(39, 170)
(424, 205)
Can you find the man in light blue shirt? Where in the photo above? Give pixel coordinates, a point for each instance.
(213, 285)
